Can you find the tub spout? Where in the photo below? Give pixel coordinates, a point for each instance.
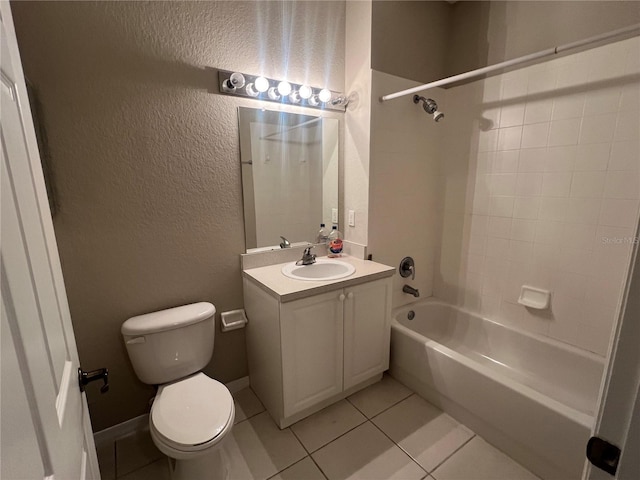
(411, 291)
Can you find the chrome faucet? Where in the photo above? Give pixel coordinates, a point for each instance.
(411, 291)
(284, 243)
(308, 258)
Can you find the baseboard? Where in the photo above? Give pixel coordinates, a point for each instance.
(133, 425)
(238, 384)
(111, 434)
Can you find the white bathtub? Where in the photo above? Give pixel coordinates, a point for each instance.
(532, 397)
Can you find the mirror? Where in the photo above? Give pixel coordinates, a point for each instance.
(289, 175)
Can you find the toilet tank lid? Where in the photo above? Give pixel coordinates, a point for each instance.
(169, 319)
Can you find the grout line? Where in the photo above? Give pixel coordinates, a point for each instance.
(299, 441)
(115, 459)
(411, 392)
(451, 455)
(401, 449)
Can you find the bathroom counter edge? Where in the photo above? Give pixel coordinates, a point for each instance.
(285, 289)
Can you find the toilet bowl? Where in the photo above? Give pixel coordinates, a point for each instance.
(192, 413)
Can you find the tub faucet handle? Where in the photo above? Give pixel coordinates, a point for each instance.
(407, 267)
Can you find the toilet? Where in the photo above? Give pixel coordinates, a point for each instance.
(192, 413)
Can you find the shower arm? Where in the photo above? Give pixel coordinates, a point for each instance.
(627, 31)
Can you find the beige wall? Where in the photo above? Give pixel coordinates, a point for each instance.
(409, 38)
(145, 157)
(484, 33)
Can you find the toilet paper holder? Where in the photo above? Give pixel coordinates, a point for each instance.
(233, 320)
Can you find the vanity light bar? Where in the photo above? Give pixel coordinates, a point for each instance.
(280, 91)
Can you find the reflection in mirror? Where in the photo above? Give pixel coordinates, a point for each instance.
(289, 175)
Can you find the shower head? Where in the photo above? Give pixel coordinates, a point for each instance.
(430, 106)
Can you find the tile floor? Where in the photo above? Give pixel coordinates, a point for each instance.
(382, 432)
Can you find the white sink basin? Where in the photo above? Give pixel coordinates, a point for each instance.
(323, 269)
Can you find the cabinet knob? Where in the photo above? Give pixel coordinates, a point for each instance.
(341, 297)
(350, 295)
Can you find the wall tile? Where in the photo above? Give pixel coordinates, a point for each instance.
(553, 208)
(588, 184)
(592, 157)
(564, 132)
(501, 206)
(598, 129)
(625, 156)
(523, 230)
(506, 162)
(584, 210)
(602, 101)
(561, 159)
(532, 160)
(526, 207)
(528, 184)
(569, 106)
(627, 127)
(538, 111)
(535, 135)
(556, 184)
(619, 213)
(509, 138)
(622, 185)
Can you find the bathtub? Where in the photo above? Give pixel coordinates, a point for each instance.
(532, 397)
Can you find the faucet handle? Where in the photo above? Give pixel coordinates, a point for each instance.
(285, 243)
(407, 267)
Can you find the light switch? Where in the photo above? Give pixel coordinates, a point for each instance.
(352, 218)
(334, 215)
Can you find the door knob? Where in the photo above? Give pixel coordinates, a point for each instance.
(86, 377)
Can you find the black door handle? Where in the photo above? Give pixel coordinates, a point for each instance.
(86, 377)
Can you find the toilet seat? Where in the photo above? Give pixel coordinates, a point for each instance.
(192, 414)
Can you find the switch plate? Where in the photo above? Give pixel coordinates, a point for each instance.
(352, 218)
(334, 215)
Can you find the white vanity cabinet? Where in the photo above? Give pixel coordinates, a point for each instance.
(309, 352)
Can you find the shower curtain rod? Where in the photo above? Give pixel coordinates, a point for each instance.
(635, 29)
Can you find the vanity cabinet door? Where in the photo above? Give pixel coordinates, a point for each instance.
(312, 346)
(367, 330)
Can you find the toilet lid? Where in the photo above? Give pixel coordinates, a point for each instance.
(192, 411)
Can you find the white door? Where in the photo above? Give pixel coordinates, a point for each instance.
(45, 427)
(618, 420)
(367, 331)
(311, 339)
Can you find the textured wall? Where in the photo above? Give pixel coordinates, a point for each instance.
(409, 38)
(145, 158)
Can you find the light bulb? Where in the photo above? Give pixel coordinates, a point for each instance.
(325, 95)
(273, 94)
(236, 79)
(305, 92)
(314, 100)
(251, 91)
(294, 97)
(284, 88)
(262, 84)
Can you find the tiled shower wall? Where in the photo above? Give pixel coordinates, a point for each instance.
(542, 169)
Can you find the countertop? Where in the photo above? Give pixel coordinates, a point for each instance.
(285, 289)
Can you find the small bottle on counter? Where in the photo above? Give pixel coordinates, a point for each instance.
(335, 243)
(323, 235)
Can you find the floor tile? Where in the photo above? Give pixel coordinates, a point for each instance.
(158, 470)
(365, 453)
(478, 460)
(327, 425)
(247, 404)
(107, 460)
(258, 449)
(379, 396)
(135, 451)
(423, 431)
(305, 469)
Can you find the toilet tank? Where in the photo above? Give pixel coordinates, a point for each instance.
(170, 344)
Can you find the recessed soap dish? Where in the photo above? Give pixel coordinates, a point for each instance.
(534, 297)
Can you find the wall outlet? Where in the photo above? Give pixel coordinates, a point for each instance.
(334, 215)
(352, 218)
